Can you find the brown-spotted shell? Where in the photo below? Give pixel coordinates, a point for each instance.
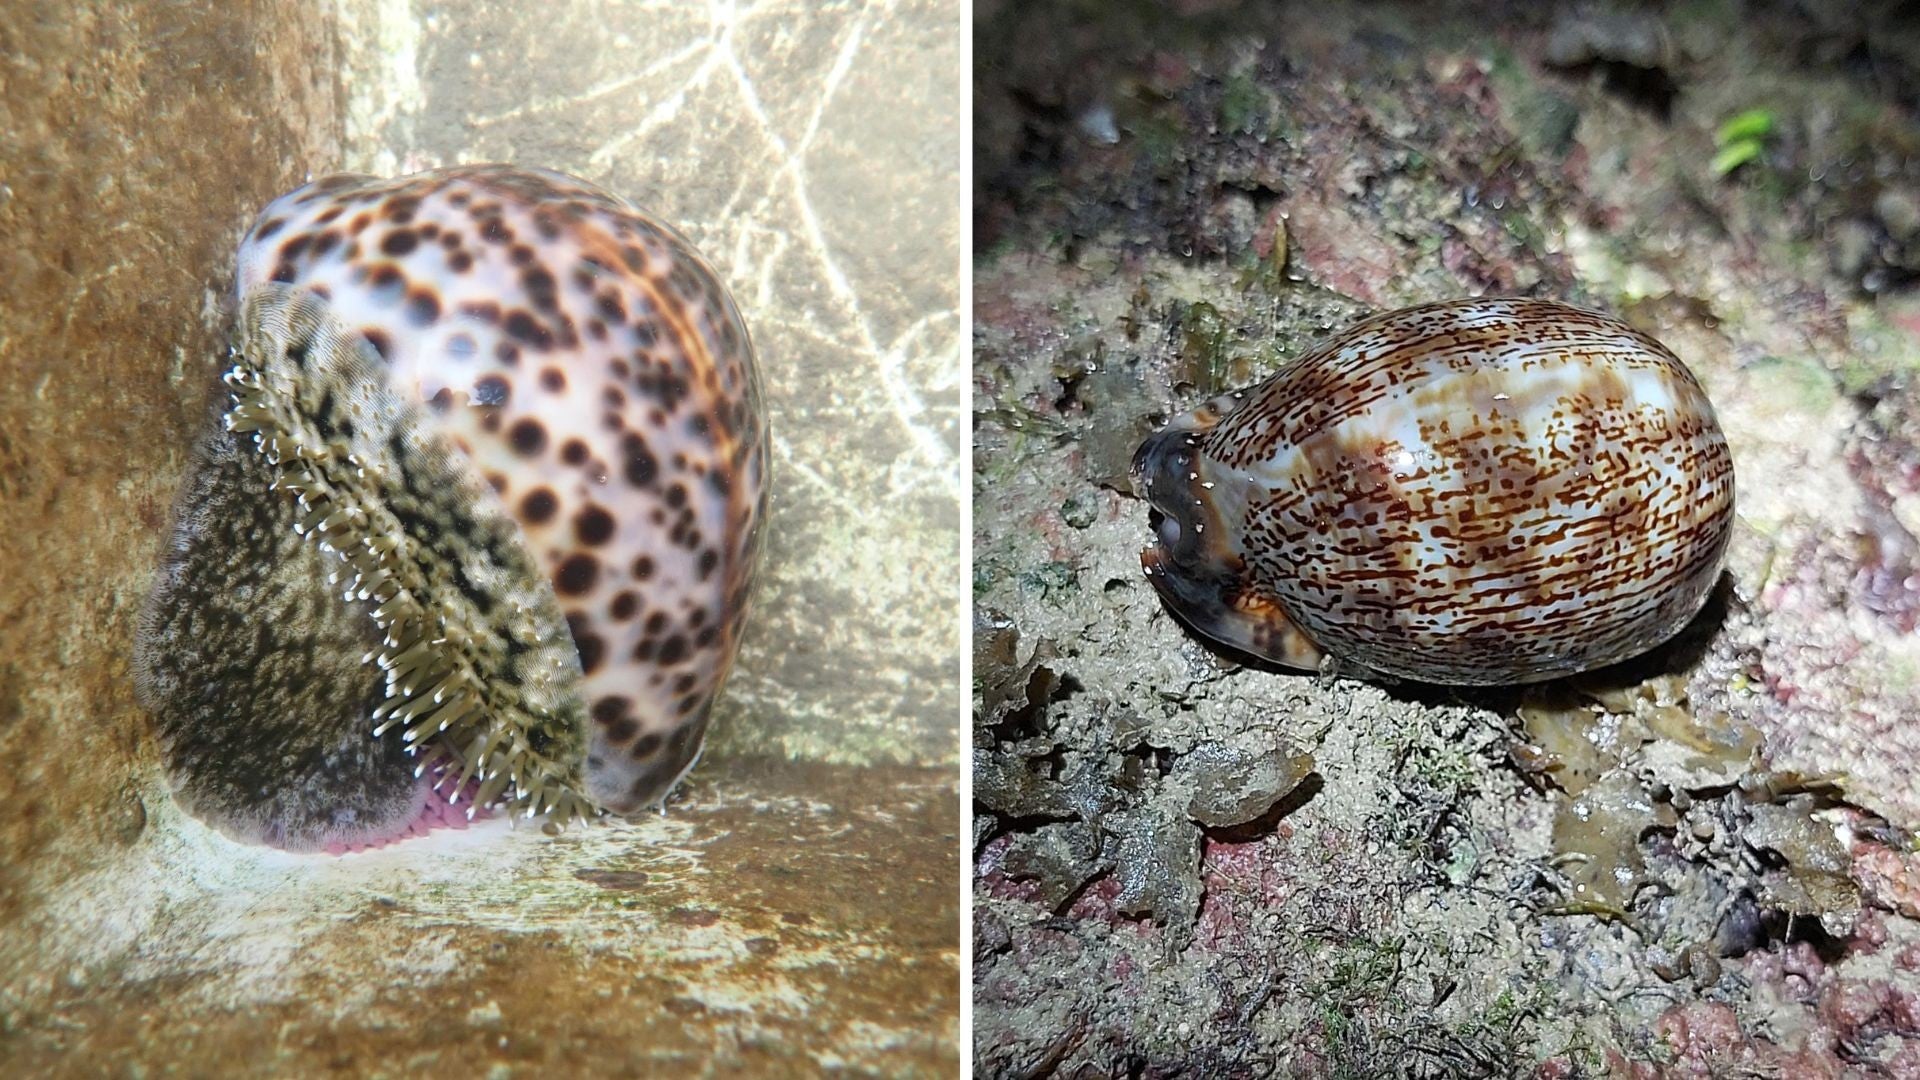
(1468, 492)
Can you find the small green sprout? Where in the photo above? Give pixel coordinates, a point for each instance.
(1741, 139)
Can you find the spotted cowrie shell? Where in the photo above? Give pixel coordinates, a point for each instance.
(478, 522)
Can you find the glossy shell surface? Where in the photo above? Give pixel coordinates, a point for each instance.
(591, 368)
(1468, 492)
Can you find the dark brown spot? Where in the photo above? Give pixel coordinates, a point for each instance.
(611, 306)
(573, 452)
(528, 436)
(539, 506)
(507, 353)
(622, 728)
(388, 277)
(609, 709)
(648, 745)
(269, 227)
(325, 242)
(593, 526)
(485, 311)
(623, 606)
(521, 254)
(460, 262)
(642, 568)
(423, 306)
(540, 287)
(591, 649)
(400, 211)
(553, 379)
(708, 560)
(442, 399)
(400, 242)
(498, 482)
(656, 623)
(430, 230)
(677, 496)
(295, 246)
(494, 390)
(380, 342)
(577, 574)
(641, 466)
(283, 272)
(673, 650)
(522, 325)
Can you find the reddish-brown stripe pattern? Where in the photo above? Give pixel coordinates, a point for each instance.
(1478, 491)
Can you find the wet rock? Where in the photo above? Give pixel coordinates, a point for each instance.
(1004, 685)
(1569, 744)
(1017, 787)
(1899, 211)
(1743, 927)
(1156, 862)
(1080, 510)
(1627, 49)
(1121, 412)
(1228, 225)
(1232, 785)
(1058, 858)
(1852, 253)
(1602, 828)
(1588, 36)
(1816, 879)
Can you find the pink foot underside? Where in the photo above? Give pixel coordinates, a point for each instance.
(438, 810)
